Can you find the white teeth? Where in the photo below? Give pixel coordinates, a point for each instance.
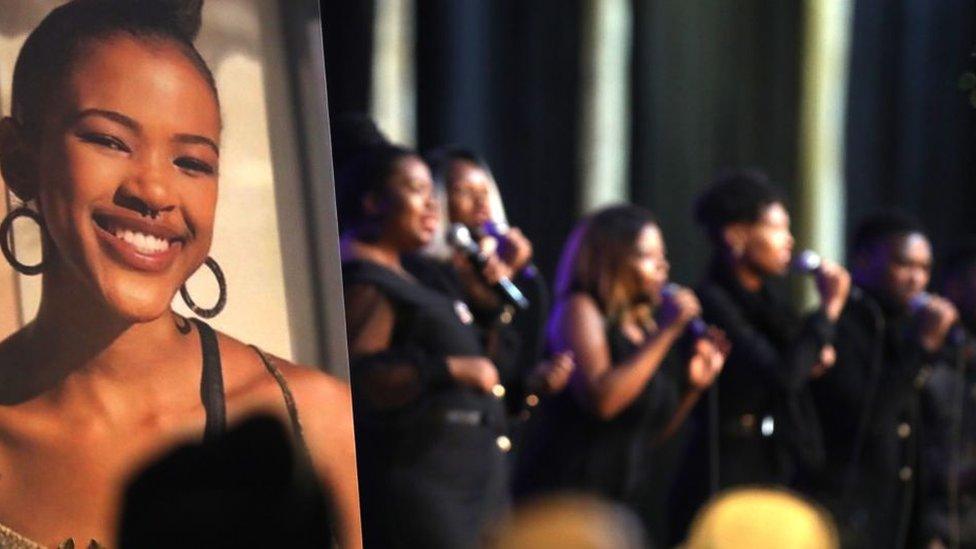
(142, 242)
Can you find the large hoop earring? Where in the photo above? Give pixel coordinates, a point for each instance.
(6, 239)
(221, 300)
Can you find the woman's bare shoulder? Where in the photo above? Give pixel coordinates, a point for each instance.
(576, 309)
(324, 406)
(311, 386)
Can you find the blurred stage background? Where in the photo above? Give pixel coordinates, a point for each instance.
(850, 105)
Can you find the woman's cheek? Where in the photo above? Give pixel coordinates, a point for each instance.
(200, 207)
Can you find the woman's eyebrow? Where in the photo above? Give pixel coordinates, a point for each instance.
(111, 115)
(130, 123)
(194, 139)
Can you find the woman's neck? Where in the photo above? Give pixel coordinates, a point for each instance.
(748, 278)
(77, 347)
(745, 275)
(377, 252)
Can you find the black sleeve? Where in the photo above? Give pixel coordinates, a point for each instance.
(754, 353)
(388, 374)
(847, 384)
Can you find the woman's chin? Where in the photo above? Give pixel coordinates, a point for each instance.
(138, 305)
(420, 239)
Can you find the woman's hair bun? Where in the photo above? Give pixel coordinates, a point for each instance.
(180, 17)
(352, 134)
(186, 15)
(54, 44)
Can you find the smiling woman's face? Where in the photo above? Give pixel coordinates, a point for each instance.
(126, 173)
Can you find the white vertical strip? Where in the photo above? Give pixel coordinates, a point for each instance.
(823, 110)
(394, 91)
(605, 103)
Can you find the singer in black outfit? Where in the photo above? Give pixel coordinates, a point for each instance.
(514, 336)
(611, 432)
(949, 414)
(430, 436)
(766, 426)
(869, 401)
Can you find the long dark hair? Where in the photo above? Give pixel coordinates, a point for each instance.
(596, 255)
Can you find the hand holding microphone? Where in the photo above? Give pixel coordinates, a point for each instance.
(938, 320)
(680, 307)
(832, 280)
(459, 237)
(710, 346)
(514, 247)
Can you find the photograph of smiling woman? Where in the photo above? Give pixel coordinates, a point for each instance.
(113, 148)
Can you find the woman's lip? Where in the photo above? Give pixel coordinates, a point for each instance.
(113, 220)
(131, 257)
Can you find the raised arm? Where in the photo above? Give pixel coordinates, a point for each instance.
(604, 388)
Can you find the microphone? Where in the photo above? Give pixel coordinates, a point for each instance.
(696, 326)
(498, 230)
(957, 334)
(460, 238)
(808, 262)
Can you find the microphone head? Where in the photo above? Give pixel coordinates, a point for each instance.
(670, 289)
(459, 236)
(496, 229)
(807, 262)
(918, 302)
(697, 328)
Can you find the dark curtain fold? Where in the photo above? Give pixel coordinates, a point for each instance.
(347, 29)
(503, 78)
(910, 130)
(499, 77)
(715, 85)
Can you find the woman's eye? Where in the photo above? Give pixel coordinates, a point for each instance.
(194, 165)
(106, 141)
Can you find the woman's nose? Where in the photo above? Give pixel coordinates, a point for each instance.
(920, 278)
(148, 188)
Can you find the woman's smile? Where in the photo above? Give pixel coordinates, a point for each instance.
(127, 177)
(430, 223)
(137, 242)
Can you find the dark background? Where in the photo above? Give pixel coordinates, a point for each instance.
(715, 85)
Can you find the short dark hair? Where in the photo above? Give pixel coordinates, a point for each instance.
(52, 47)
(735, 196)
(442, 159)
(881, 226)
(366, 163)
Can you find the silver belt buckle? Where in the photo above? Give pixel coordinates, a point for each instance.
(470, 418)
